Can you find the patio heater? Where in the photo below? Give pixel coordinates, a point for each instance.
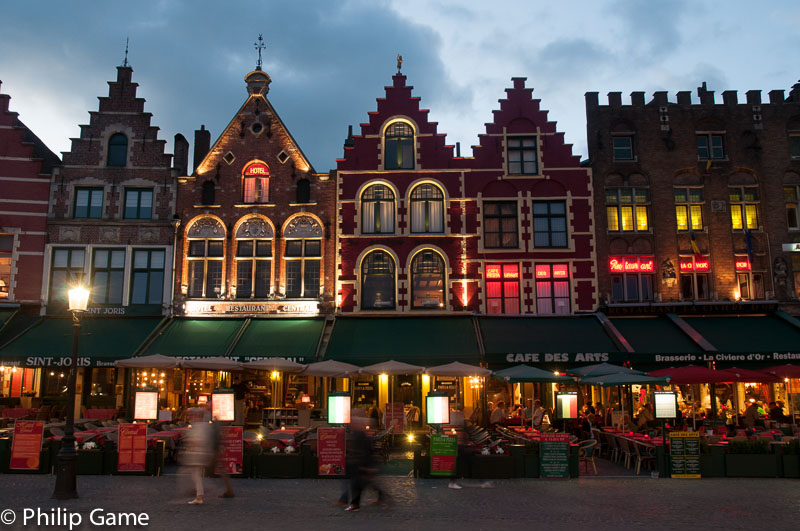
(66, 487)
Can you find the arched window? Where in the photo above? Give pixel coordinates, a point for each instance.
(255, 183)
(303, 191)
(303, 257)
(377, 210)
(205, 257)
(427, 281)
(377, 282)
(399, 147)
(427, 209)
(117, 150)
(207, 194)
(254, 239)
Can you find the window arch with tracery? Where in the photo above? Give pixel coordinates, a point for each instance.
(255, 183)
(427, 281)
(205, 258)
(378, 282)
(427, 209)
(254, 239)
(398, 142)
(377, 210)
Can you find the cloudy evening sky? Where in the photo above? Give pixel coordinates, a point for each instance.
(329, 59)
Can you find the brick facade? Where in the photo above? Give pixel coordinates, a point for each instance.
(749, 148)
(256, 184)
(88, 211)
(437, 205)
(26, 165)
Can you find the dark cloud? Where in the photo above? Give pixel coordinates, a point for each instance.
(650, 28)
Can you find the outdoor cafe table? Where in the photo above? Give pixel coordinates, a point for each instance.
(100, 414)
(18, 412)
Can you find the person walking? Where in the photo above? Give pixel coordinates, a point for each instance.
(364, 466)
(199, 450)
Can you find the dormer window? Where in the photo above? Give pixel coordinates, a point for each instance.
(255, 183)
(399, 147)
(117, 150)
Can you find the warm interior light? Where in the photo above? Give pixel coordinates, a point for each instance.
(411, 437)
(557, 373)
(78, 299)
(274, 375)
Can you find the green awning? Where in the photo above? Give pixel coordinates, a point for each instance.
(102, 341)
(655, 335)
(296, 339)
(15, 325)
(749, 338)
(5, 315)
(425, 341)
(193, 338)
(552, 341)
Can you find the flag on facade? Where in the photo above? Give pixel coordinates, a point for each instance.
(697, 254)
(708, 166)
(749, 242)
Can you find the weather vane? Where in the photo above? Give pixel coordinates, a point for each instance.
(125, 62)
(259, 46)
(399, 62)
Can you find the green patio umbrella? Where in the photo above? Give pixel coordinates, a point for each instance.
(623, 378)
(602, 369)
(527, 374)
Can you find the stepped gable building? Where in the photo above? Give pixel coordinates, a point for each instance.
(256, 219)
(26, 166)
(697, 202)
(111, 210)
(507, 231)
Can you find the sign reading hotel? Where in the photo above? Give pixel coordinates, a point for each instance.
(132, 448)
(146, 405)
(305, 307)
(666, 403)
(27, 445)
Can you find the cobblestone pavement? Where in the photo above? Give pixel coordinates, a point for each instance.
(590, 503)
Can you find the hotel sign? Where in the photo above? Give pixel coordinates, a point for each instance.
(310, 307)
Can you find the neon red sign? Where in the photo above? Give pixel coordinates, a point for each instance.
(646, 265)
(742, 265)
(631, 264)
(511, 271)
(615, 265)
(702, 265)
(560, 271)
(493, 271)
(542, 271)
(697, 265)
(257, 169)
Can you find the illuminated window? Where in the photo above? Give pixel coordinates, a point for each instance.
(253, 268)
(427, 281)
(631, 278)
(500, 224)
(522, 155)
(88, 203)
(502, 288)
(206, 255)
(549, 224)
(552, 289)
(751, 284)
(627, 209)
(108, 271)
(66, 271)
(710, 146)
(117, 150)
(378, 281)
(138, 203)
(744, 207)
(623, 147)
(791, 196)
(303, 259)
(6, 252)
(377, 210)
(427, 209)
(147, 284)
(694, 277)
(689, 208)
(399, 147)
(255, 183)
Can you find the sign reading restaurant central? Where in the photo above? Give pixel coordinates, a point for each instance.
(216, 308)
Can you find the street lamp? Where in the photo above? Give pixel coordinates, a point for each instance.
(67, 457)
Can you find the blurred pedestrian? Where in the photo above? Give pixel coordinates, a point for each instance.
(364, 467)
(198, 450)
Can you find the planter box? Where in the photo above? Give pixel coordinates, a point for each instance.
(712, 465)
(90, 462)
(531, 465)
(281, 465)
(492, 466)
(791, 466)
(751, 465)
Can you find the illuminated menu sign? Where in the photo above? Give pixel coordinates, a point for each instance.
(688, 265)
(631, 264)
(666, 403)
(508, 271)
(222, 406)
(146, 405)
(567, 405)
(552, 271)
(257, 169)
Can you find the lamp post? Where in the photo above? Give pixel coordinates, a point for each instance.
(67, 456)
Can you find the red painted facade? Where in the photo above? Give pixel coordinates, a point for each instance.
(26, 165)
(423, 230)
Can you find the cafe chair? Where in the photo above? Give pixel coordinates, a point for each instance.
(613, 447)
(625, 451)
(586, 452)
(644, 454)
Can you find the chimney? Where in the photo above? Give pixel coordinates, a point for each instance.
(181, 159)
(776, 96)
(706, 96)
(684, 97)
(349, 142)
(754, 97)
(794, 94)
(458, 149)
(637, 98)
(660, 97)
(202, 143)
(729, 97)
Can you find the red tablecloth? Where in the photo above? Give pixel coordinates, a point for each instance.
(18, 412)
(101, 414)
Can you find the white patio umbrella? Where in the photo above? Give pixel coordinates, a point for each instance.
(214, 363)
(458, 369)
(392, 368)
(330, 369)
(156, 361)
(274, 364)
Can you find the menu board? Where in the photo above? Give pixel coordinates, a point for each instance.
(222, 406)
(443, 452)
(27, 445)
(229, 453)
(567, 405)
(146, 405)
(396, 417)
(132, 448)
(554, 455)
(330, 451)
(666, 403)
(684, 453)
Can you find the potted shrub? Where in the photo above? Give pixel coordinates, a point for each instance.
(279, 460)
(712, 461)
(90, 459)
(492, 463)
(750, 459)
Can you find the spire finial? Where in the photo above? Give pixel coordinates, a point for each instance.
(125, 62)
(399, 62)
(259, 45)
